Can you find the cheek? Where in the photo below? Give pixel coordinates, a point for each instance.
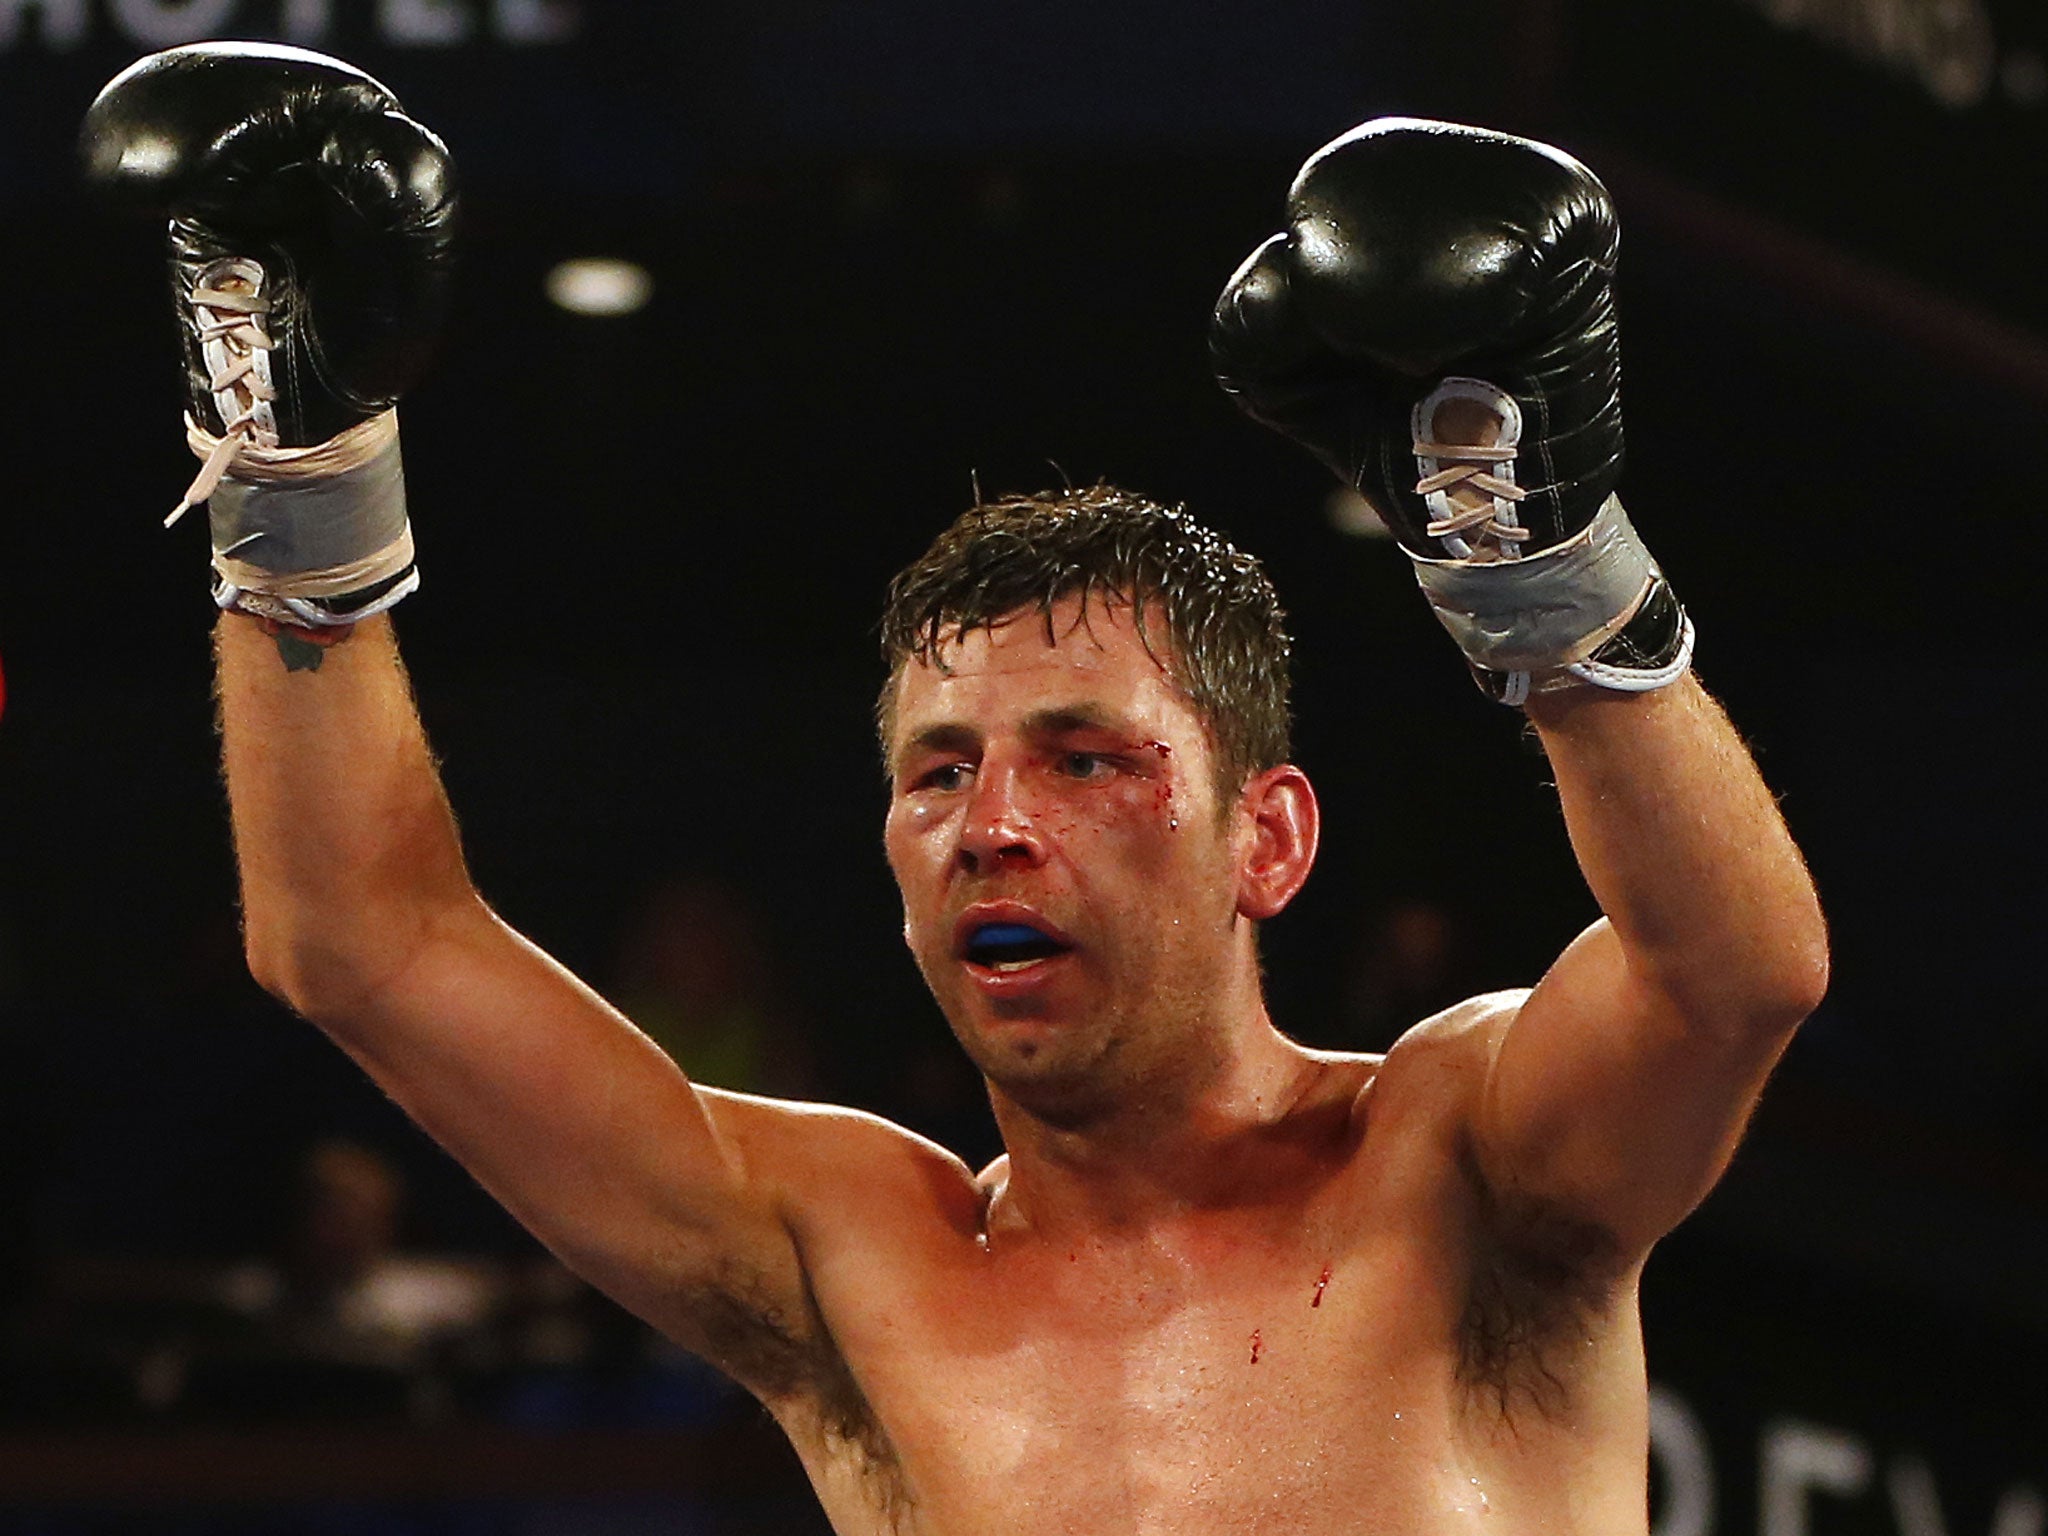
(911, 845)
(1165, 789)
(1166, 804)
(906, 833)
(1145, 824)
(1117, 818)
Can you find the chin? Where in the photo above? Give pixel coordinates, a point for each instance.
(1066, 1102)
(1066, 1081)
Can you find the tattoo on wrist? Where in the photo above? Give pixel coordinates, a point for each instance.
(302, 650)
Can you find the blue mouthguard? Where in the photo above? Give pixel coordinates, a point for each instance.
(1006, 933)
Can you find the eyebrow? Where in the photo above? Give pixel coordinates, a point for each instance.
(1063, 720)
(1085, 716)
(945, 736)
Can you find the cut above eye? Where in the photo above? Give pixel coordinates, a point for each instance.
(1008, 943)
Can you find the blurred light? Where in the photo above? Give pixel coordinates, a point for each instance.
(1351, 513)
(148, 155)
(600, 285)
(2026, 80)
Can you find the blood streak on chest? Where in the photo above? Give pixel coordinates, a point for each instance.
(1322, 1280)
(1258, 1344)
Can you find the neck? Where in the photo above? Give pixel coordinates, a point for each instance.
(1174, 1146)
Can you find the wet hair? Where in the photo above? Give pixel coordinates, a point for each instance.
(1227, 644)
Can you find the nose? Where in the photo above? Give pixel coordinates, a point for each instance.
(1000, 829)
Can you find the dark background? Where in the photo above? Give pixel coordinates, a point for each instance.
(900, 245)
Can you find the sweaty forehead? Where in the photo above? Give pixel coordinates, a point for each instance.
(1093, 654)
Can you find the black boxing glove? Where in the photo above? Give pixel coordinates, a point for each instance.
(310, 238)
(1436, 324)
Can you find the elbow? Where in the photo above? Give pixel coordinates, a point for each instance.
(268, 957)
(340, 970)
(292, 972)
(1813, 963)
(326, 979)
(1801, 992)
(1757, 991)
(1794, 979)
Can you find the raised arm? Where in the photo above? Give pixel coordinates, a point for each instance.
(359, 913)
(1619, 1089)
(1437, 324)
(310, 229)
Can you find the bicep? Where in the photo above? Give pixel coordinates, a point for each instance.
(1604, 1103)
(578, 1124)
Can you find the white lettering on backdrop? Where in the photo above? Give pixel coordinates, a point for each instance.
(63, 25)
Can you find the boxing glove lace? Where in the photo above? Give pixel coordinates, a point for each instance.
(311, 226)
(1436, 323)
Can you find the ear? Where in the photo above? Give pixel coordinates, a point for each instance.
(1281, 821)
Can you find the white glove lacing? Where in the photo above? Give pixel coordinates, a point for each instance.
(228, 311)
(1488, 519)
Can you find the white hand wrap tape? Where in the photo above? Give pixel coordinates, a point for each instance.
(1548, 610)
(294, 529)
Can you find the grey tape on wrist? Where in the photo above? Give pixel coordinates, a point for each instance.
(1547, 610)
(302, 542)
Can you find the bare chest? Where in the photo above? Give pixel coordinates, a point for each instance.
(1246, 1384)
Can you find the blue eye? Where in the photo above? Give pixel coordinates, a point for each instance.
(1084, 765)
(945, 776)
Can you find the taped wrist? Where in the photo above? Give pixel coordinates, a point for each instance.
(1594, 609)
(316, 537)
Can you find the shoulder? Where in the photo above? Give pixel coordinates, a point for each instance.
(850, 1194)
(827, 1160)
(1435, 1064)
(1461, 1033)
(1438, 1068)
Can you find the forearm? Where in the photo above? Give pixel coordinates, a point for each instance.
(348, 854)
(1684, 849)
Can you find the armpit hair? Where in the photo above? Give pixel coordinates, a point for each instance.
(742, 1330)
(737, 1325)
(1539, 1276)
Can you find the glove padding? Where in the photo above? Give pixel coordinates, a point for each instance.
(1437, 325)
(311, 226)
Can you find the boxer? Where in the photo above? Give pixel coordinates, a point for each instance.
(1218, 1283)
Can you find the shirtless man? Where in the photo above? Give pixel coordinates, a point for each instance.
(1219, 1283)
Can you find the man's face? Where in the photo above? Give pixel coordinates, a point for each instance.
(1069, 886)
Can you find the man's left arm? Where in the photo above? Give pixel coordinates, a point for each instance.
(1436, 322)
(1617, 1093)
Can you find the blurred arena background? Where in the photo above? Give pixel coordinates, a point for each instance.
(891, 249)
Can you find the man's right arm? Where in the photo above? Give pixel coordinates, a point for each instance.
(310, 228)
(360, 914)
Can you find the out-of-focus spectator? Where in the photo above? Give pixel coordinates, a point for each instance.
(694, 972)
(1410, 957)
(341, 1321)
(337, 1322)
(341, 1287)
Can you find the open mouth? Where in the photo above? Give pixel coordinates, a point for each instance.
(1010, 946)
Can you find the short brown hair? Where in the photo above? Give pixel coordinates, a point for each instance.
(1229, 645)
